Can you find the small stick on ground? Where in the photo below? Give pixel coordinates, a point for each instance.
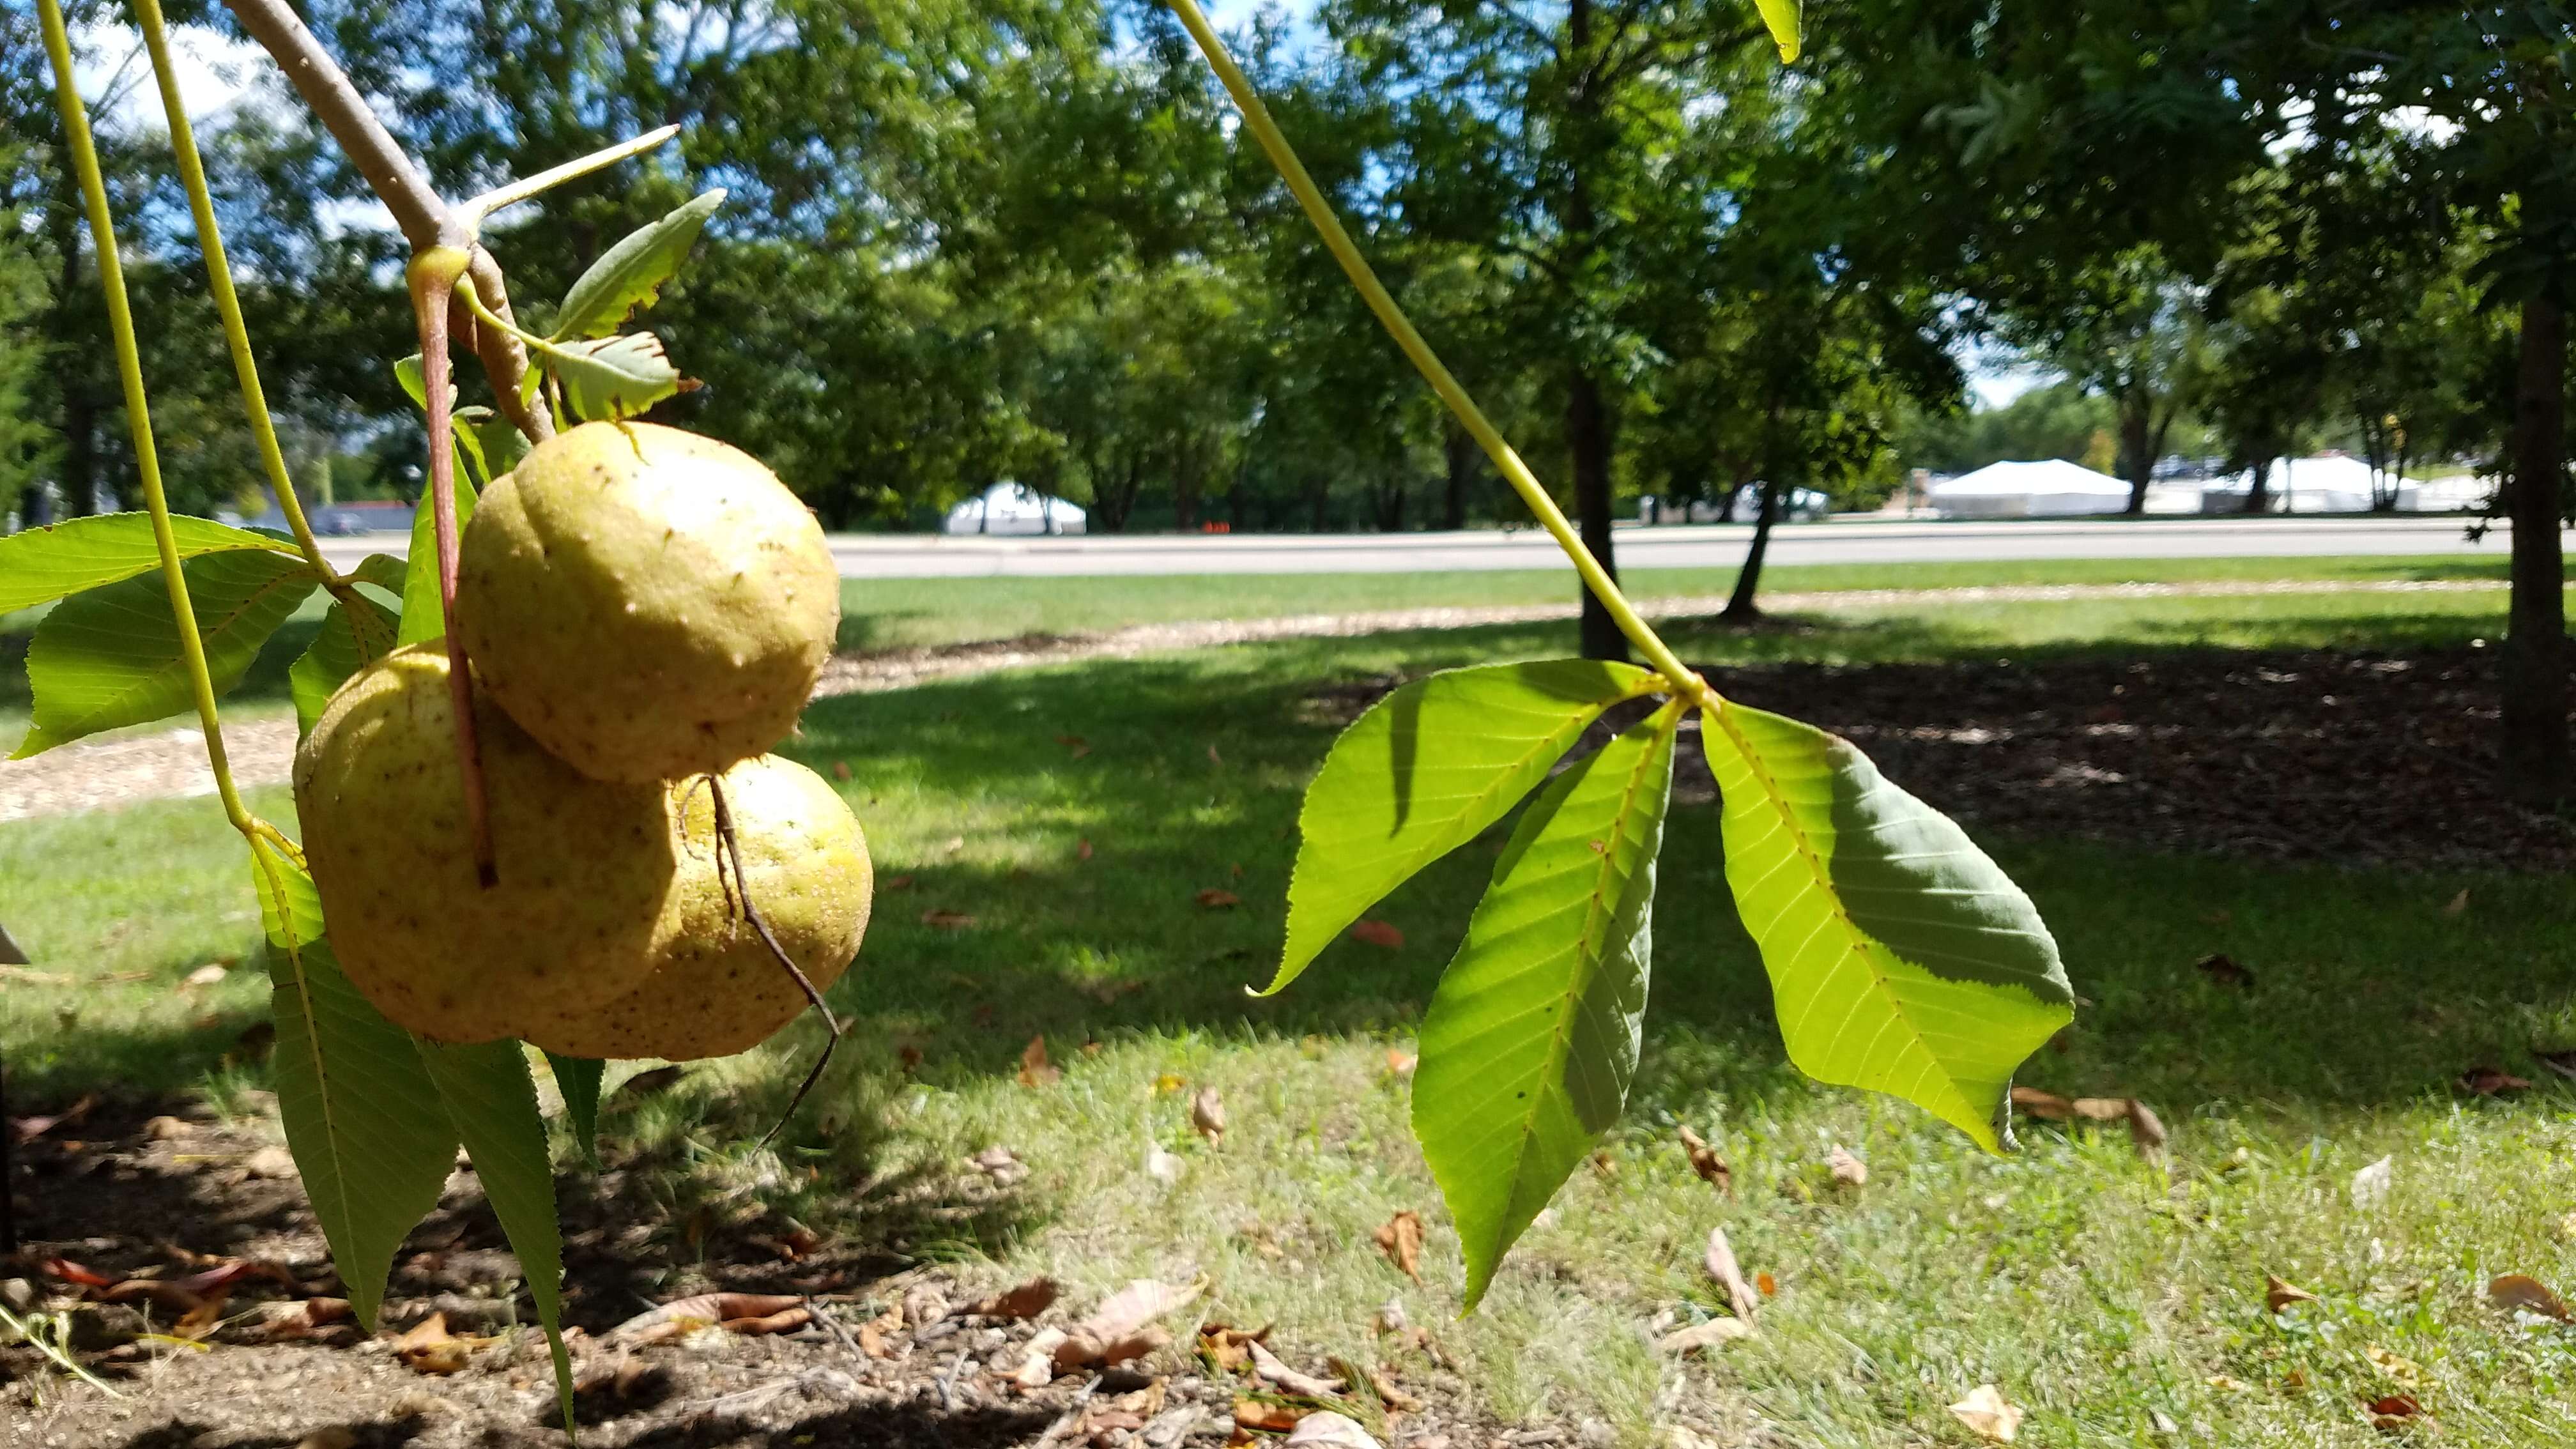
(732, 850)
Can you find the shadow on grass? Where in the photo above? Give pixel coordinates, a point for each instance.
(1076, 814)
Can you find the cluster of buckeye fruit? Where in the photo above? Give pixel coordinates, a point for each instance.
(645, 611)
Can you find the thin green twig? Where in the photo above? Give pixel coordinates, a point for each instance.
(219, 280)
(56, 1349)
(129, 368)
(1337, 239)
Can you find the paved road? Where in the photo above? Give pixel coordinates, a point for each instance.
(1709, 546)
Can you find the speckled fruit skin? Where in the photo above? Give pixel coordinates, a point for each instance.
(718, 990)
(646, 602)
(586, 867)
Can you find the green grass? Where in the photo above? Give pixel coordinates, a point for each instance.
(2093, 1287)
(882, 614)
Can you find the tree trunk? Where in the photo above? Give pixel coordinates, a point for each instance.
(2258, 494)
(1740, 608)
(1587, 428)
(1459, 454)
(2533, 672)
(2137, 446)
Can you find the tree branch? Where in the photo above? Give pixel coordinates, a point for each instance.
(426, 221)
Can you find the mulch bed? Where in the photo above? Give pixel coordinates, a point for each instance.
(2341, 757)
(125, 1194)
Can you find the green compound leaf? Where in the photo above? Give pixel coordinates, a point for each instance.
(1531, 1038)
(385, 572)
(1423, 772)
(493, 1105)
(630, 274)
(46, 563)
(111, 656)
(1783, 18)
(613, 377)
(362, 1115)
(350, 640)
(423, 615)
(1902, 959)
(578, 1079)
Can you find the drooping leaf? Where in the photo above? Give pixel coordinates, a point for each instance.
(613, 377)
(630, 274)
(1902, 958)
(1784, 19)
(424, 616)
(409, 372)
(46, 563)
(361, 1113)
(112, 656)
(578, 1079)
(384, 571)
(1423, 772)
(1531, 1038)
(493, 1105)
(350, 640)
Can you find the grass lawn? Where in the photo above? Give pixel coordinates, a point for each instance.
(2095, 1288)
(880, 614)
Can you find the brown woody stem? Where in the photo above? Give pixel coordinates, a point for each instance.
(730, 848)
(433, 288)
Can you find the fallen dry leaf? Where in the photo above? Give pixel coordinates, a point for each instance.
(946, 920)
(1207, 1114)
(1390, 1393)
(1847, 1170)
(2519, 1291)
(1379, 934)
(427, 1347)
(1766, 1284)
(1227, 1347)
(1987, 1415)
(1329, 1430)
(1704, 1160)
(1122, 1328)
(2458, 904)
(1400, 1063)
(2278, 1294)
(2490, 1082)
(840, 769)
(199, 1321)
(2403, 1370)
(1741, 1296)
(2393, 1412)
(1391, 1317)
(1401, 1240)
(1076, 744)
(1162, 1166)
(898, 882)
(1267, 1367)
(1258, 1416)
(725, 1310)
(204, 976)
(1216, 899)
(2370, 1185)
(2048, 1106)
(2223, 971)
(1035, 1069)
(2145, 1127)
(333, 1436)
(1082, 848)
(1716, 1333)
(2101, 1109)
(1026, 1301)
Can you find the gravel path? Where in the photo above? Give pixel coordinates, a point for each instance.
(101, 774)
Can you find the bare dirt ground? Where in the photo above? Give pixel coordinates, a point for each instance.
(884, 1354)
(102, 774)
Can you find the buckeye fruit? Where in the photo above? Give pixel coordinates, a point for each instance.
(586, 866)
(716, 989)
(647, 603)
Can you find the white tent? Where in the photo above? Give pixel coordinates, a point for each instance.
(2049, 488)
(2333, 483)
(1014, 508)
